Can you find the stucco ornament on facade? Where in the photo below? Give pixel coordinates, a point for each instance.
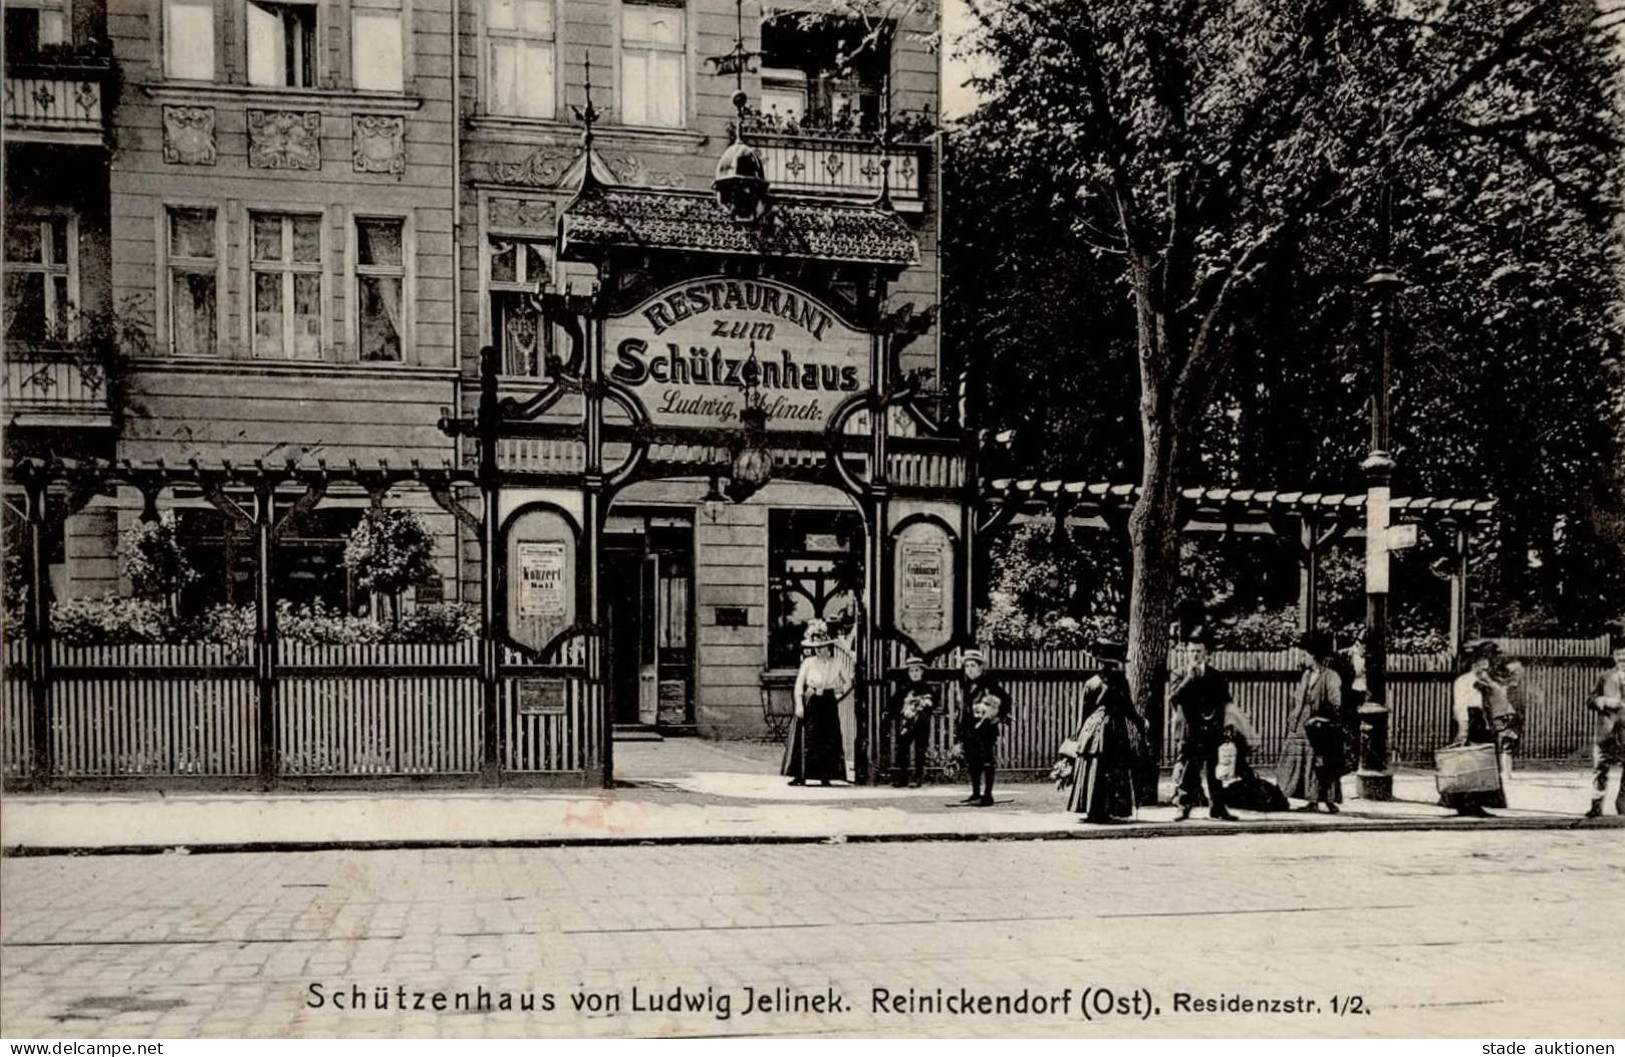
(379, 142)
(542, 167)
(553, 166)
(630, 171)
(285, 139)
(189, 135)
(523, 214)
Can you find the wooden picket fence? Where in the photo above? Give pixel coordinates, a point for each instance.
(342, 712)
(1047, 688)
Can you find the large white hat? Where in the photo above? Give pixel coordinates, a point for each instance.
(817, 634)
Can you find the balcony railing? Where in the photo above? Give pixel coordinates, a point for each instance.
(819, 163)
(46, 389)
(57, 97)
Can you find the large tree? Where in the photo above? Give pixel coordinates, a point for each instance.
(1195, 154)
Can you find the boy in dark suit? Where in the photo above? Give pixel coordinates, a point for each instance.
(986, 709)
(910, 709)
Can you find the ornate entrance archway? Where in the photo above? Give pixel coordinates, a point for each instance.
(785, 389)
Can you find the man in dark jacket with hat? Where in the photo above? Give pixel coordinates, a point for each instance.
(1199, 698)
(910, 710)
(1607, 704)
(984, 710)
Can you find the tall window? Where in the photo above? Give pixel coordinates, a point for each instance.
(308, 565)
(653, 42)
(519, 330)
(189, 39)
(377, 55)
(40, 278)
(281, 44)
(814, 569)
(519, 34)
(193, 283)
(30, 23)
(830, 74)
(286, 264)
(380, 285)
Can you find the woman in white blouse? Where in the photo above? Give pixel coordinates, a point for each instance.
(814, 751)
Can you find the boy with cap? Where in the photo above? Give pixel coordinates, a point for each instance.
(986, 708)
(910, 709)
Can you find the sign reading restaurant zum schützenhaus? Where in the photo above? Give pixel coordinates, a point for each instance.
(687, 351)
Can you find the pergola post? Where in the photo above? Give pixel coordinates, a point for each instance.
(37, 629)
(1309, 574)
(265, 631)
(487, 426)
(1458, 588)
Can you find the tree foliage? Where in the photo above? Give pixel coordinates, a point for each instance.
(390, 550)
(1164, 210)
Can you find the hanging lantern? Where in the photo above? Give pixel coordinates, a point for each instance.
(752, 464)
(741, 182)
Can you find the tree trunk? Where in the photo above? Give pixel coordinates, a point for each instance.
(1154, 535)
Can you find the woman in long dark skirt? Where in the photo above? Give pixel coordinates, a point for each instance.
(1110, 743)
(1311, 764)
(814, 751)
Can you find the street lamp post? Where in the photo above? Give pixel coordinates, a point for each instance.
(1375, 780)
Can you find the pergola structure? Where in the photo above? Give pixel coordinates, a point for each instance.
(1306, 521)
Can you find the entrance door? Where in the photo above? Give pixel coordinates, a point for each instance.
(623, 612)
(648, 563)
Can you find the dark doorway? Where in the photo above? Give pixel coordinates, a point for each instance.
(648, 592)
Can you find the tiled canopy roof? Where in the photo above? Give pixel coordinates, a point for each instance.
(637, 218)
(1239, 503)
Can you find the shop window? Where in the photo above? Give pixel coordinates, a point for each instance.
(519, 331)
(282, 44)
(40, 278)
(285, 260)
(193, 281)
(380, 285)
(189, 39)
(519, 40)
(377, 53)
(815, 569)
(653, 44)
(32, 25)
(824, 74)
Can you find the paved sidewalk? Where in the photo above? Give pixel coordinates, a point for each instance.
(690, 791)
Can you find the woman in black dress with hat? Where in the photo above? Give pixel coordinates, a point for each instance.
(814, 750)
(1311, 765)
(1111, 742)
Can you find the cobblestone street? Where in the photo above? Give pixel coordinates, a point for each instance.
(1482, 934)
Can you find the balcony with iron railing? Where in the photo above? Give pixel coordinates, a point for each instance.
(55, 389)
(826, 158)
(58, 94)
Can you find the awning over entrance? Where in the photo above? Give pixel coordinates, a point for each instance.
(631, 218)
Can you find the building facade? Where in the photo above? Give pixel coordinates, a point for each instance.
(304, 220)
